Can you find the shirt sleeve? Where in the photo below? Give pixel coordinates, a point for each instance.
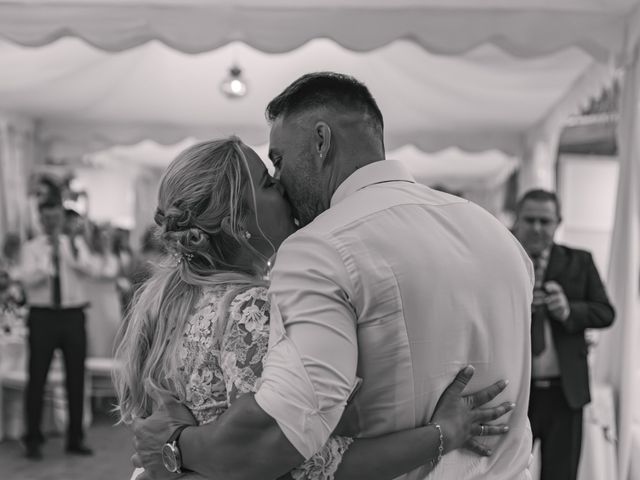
(35, 265)
(593, 309)
(310, 369)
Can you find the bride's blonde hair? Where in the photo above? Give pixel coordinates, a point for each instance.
(202, 210)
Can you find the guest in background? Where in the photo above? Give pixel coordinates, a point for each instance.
(122, 250)
(151, 252)
(75, 224)
(569, 297)
(54, 278)
(12, 251)
(122, 247)
(46, 188)
(104, 313)
(42, 188)
(142, 265)
(126, 262)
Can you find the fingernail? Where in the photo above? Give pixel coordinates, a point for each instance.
(489, 452)
(513, 405)
(505, 428)
(506, 382)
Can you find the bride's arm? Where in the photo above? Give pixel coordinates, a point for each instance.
(391, 455)
(388, 456)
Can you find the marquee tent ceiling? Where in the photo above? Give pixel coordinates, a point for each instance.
(89, 99)
(524, 27)
(445, 72)
(450, 167)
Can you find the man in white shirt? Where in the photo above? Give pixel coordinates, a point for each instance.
(53, 270)
(387, 280)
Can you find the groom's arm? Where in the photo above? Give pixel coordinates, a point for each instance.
(313, 347)
(308, 373)
(243, 443)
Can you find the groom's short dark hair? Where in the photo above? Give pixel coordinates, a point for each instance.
(326, 89)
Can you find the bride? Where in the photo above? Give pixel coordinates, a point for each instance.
(199, 328)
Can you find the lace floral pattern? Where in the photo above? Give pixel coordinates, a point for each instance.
(199, 358)
(216, 373)
(245, 342)
(323, 465)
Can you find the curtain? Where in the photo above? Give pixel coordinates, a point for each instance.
(618, 359)
(17, 149)
(539, 163)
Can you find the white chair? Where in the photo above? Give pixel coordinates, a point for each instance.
(99, 374)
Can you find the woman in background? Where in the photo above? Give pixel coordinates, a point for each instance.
(104, 314)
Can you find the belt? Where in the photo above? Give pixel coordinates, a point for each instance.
(546, 382)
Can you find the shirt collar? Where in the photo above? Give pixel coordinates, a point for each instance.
(376, 172)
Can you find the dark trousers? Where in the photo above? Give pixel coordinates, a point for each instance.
(559, 429)
(50, 329)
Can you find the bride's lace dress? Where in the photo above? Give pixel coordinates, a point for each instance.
(216, 373)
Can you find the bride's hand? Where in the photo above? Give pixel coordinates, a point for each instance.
(460, 417)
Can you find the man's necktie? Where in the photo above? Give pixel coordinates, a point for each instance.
(56, 290)
(538, 313)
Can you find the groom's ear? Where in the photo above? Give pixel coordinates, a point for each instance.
(322, 140)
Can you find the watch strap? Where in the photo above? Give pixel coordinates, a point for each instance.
(175, 436)
(173, 439)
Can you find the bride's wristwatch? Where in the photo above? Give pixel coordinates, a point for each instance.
(171, 456)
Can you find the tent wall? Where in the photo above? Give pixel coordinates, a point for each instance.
(17, 154)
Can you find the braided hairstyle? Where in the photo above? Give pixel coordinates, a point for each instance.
(202, 210)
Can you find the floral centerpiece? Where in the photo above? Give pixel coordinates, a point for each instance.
(13, 313)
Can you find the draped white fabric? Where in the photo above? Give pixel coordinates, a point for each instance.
(618, 356)
(525, 58)
(483, 99)
(522, 27)
(480, 176)
(17, 149)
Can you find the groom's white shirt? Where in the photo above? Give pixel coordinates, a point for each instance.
(402, 286)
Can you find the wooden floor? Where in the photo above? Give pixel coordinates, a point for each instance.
(112, 445)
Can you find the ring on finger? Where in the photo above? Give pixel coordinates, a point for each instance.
(481, 430)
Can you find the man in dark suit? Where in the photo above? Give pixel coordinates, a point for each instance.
(568, 298)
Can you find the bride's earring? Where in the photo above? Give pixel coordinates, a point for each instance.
(247, 235)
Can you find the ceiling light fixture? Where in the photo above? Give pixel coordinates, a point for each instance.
(233, 85)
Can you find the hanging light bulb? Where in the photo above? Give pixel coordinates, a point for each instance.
(233, 85)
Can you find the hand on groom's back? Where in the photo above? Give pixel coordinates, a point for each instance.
(152, 432)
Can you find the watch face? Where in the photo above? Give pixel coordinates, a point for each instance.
(169, 457)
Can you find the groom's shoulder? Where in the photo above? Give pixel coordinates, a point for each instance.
(377, 198)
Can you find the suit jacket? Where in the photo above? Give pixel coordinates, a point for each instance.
(576, 273)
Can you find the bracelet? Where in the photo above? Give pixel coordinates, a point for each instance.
(435, 461)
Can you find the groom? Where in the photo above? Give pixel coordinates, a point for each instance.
(387, 280)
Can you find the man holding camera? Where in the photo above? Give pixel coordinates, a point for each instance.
(568, 298)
